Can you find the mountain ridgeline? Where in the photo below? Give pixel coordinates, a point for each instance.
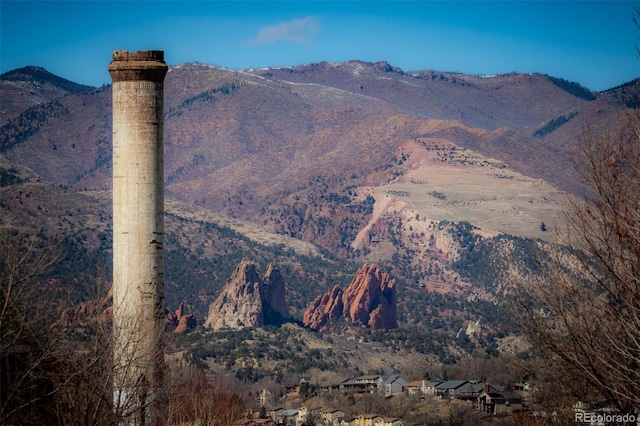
(443, 180)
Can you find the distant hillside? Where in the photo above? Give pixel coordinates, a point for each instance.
(39, 75)
(316, 168)
(507, 100)
(574, 88)
(29, 86)
(627, 94)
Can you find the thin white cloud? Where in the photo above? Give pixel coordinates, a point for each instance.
(298, 31)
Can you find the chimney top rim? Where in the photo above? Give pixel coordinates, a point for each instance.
(141, 55)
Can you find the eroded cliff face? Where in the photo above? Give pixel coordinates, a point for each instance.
(325, 307)
(272, 290)
(369, 300)
(248, 300)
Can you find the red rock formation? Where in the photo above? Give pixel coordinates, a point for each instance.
(247, 300)
(370, 300)
(182, 310)
(324, 308)
(185, 323)
(179, 321)
(86, 312)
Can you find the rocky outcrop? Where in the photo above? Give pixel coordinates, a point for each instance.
(179, 321)
(248, 300)
(275, 303)
(369, 300)
(325, 307)
(102, 311)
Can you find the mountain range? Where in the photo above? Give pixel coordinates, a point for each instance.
(320, 167)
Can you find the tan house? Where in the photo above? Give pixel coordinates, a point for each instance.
(422, 387)
(430, 387)
(264, 398)
(367, 419)
(345, 421)
(316, 412)
(415, 387)
(330, 415)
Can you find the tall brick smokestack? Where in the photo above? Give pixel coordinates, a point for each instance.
(138, 234)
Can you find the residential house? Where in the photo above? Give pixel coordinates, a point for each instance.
(362, 384)
(273, 413)
(417, 387)
(384, 386)
(367, 419)
(496, 402)
(422, 387)
(304, 379)
(329, 415)
(345, 421)
(287, 417)
(450, 389)
(304, 412)
(470, 391)
(264, 398)
(430, 387)
(391, 385)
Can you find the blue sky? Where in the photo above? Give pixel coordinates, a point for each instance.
(589, 42)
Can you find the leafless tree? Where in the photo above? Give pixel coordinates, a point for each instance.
(26, 349)
(201, 398)
(583, 316)
(57, 359)
(83, 375)
(52, 373)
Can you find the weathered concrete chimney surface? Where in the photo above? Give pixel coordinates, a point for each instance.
(146, 65)
(138, 229)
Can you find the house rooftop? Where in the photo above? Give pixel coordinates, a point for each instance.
(392, 377)
(367, 377)
(451, 384)
(369, 416)
(471, 387)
